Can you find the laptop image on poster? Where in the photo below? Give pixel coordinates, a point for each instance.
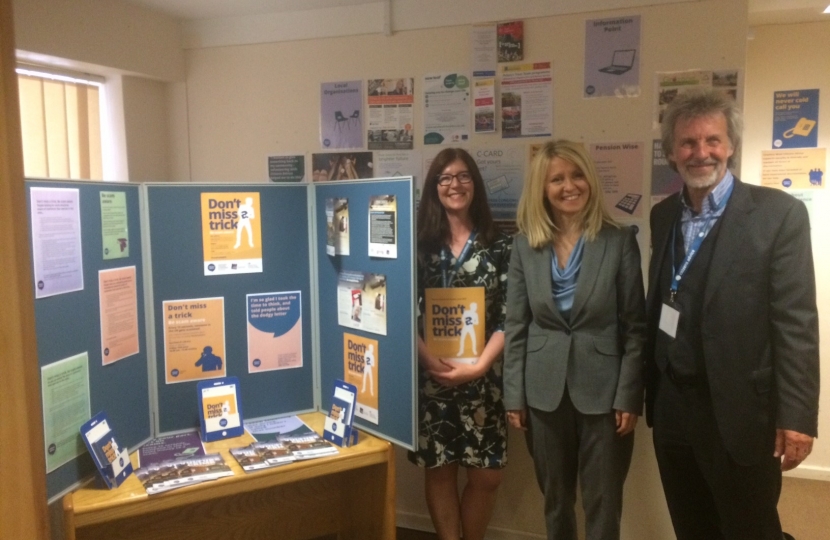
(622, 61)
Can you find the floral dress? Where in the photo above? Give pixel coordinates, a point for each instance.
(466, 423)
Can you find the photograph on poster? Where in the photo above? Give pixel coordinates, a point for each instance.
(510, 41)
(361, 301)
(286, 168)
(337, 226)
(341, 166)
(390, 114)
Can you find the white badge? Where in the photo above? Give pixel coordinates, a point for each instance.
(668, 320)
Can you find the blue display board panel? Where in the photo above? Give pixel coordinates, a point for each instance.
(69, 324)
(178, 274)
(396, 375)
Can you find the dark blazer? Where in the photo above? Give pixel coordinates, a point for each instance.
(599, 354)
(759, 319)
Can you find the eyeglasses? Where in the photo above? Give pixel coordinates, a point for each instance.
(463, 177)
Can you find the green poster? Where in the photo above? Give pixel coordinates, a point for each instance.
(114, 225)
(65, 391)
(286, 168)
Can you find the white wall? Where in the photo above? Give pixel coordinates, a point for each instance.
(145, 117)
(247, 101)
(140, 55)
(794, 57)
(110, 33)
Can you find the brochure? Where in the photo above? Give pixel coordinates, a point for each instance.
(180, 445)
(274, 428)
(111, 458)
(301, 440)
(181, 472)
(309, 446)
(259, 456)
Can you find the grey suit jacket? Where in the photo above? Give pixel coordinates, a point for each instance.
(599, 353)
(759, 318)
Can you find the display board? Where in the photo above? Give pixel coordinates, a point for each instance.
(174, 216)
(394, 377)
(231, 274)
(69, 324)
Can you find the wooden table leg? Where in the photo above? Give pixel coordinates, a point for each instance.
(68, 517)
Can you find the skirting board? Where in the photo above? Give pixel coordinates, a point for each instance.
(808, 472)
(420, 522)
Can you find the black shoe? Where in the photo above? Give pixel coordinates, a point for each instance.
(788, 536)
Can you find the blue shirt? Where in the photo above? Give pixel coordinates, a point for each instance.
(564, 279)
(692, 223)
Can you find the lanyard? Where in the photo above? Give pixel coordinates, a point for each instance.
(448, 275)
(677, 275)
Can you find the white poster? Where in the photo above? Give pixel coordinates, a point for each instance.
(484, 103)
(56, 241)
(446, 108)
(527, 100)
(361, 301)
(484, 57)
(502, 169)
(672, 83)
(383, 226)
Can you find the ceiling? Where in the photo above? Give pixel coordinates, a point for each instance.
(760, 11)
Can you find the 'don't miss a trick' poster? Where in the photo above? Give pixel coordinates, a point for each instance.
(231, 233)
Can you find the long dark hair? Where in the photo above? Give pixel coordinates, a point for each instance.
(433, 226)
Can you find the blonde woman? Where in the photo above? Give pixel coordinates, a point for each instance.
(574, 336)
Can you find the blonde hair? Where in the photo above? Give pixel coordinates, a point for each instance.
(535, 217)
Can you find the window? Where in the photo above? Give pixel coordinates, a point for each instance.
(60, 117)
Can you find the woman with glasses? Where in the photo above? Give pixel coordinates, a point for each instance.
(575, 329)
(461, 415)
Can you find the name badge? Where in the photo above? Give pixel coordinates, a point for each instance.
(669, 318)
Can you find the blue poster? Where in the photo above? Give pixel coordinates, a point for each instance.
(795, 119)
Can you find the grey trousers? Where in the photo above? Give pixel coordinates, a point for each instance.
(564, 442)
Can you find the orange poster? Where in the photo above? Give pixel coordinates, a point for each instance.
(118, 305)
(194, 339)
(360, 368)
(454, 323)
(231, 233)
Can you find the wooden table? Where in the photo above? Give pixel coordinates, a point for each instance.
(351, 495)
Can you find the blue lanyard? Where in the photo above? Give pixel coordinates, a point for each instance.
(447, 275)
(677, 275)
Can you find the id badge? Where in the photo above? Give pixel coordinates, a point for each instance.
(669, 318)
